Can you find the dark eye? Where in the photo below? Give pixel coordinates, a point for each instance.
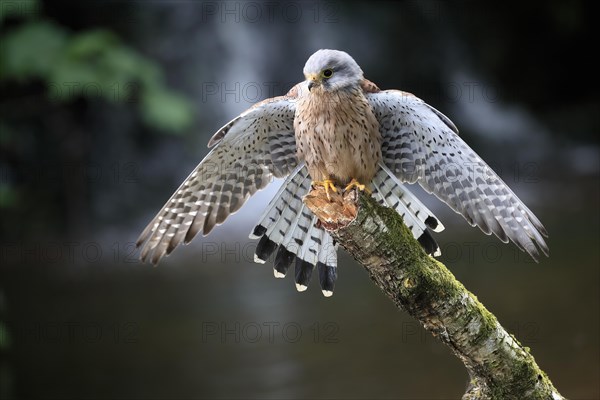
(327, 73)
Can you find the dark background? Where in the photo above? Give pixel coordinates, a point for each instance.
(105, 106)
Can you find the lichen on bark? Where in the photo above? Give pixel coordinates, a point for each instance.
(499, 366)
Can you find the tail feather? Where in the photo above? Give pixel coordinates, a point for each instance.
(327, 264)
(289, 227)
(286, 193)
(390, 192)
(327, 277)
(303, 274)
(328, 253)
(297, 229)
(418, 209)
(283, 261)
(264, 249)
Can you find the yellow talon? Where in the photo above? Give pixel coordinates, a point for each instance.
(327, 185)
(354, 183)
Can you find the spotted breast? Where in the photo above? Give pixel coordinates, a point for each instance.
(337, 135)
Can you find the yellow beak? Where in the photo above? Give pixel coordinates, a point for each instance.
(313, 80)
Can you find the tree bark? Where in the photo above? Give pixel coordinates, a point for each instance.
(499, 366)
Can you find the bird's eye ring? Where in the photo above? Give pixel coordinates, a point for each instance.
(327, 73)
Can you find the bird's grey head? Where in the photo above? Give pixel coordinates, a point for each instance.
(332, 70)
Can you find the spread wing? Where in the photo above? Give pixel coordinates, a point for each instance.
(251, 149)
(422, 145)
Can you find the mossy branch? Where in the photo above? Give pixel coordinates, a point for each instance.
(499, 366)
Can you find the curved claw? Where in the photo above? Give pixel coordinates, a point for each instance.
(356, 184)
(328, 185)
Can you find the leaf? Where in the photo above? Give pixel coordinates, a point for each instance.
(166, 110)
(31, 51)
(92, 64)
(91, 44)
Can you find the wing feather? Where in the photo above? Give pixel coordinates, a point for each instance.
(420, 144)
(246, 154)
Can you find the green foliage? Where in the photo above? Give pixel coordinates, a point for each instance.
(166, 109)
(31, 51)
(90, 64)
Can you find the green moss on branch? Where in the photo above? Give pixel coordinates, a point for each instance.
(499, 366)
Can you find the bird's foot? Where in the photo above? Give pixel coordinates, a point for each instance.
(328, 185)
(356, 184)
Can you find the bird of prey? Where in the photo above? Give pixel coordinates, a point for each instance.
(338, 130)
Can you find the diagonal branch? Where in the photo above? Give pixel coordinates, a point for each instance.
(499, 366)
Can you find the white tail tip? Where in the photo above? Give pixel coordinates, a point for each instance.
(278, 274)
(301, 288)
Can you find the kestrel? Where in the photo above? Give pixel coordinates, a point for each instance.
(338, 130)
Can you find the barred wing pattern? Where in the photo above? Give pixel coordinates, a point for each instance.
(422, 145)
(251, 149)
